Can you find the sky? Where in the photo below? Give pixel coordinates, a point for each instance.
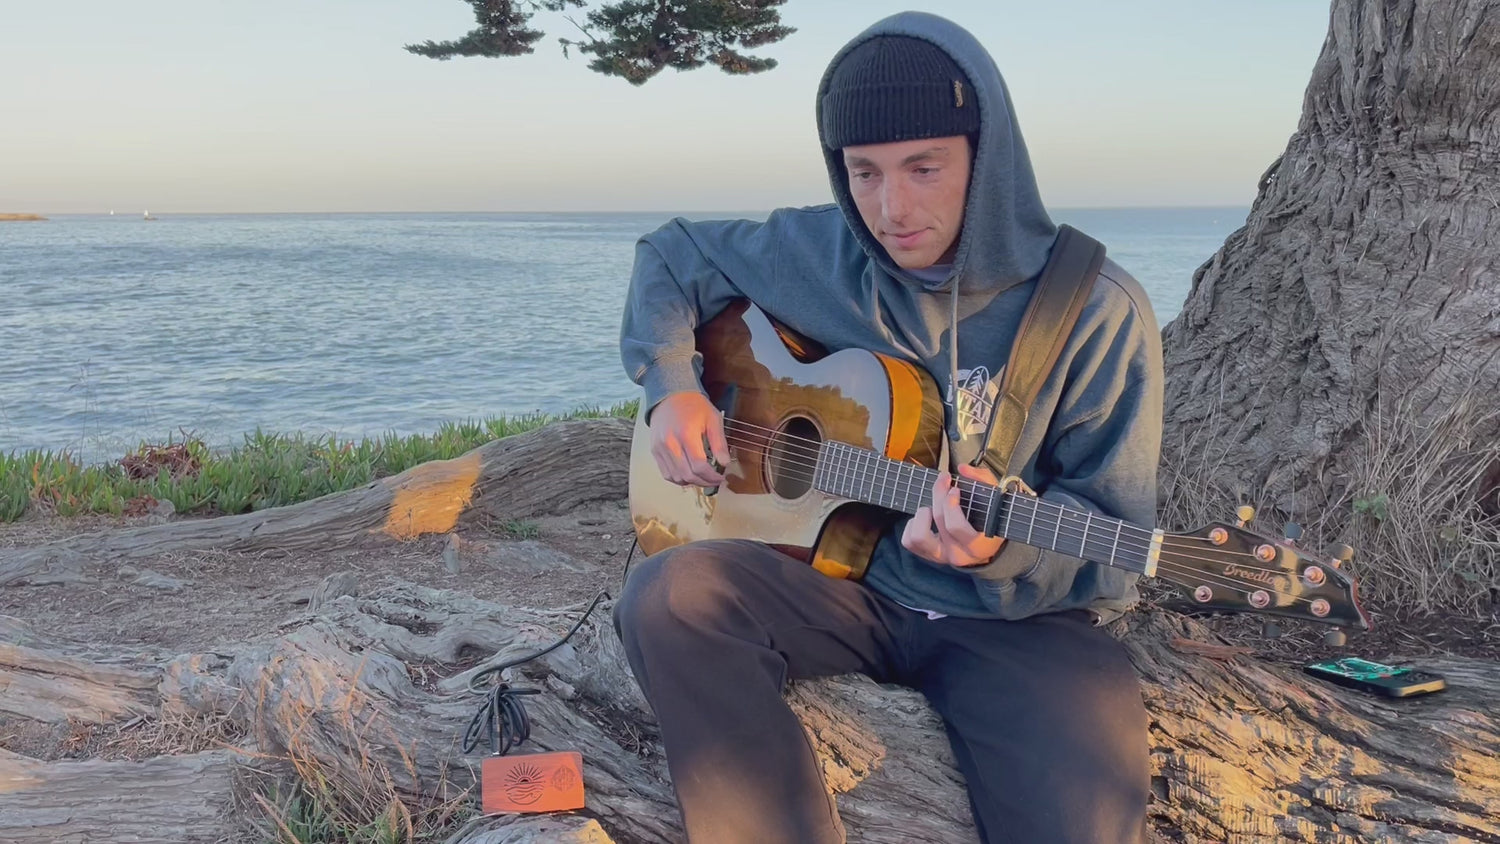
(179, 106)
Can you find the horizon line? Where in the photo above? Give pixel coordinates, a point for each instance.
(1190, 206)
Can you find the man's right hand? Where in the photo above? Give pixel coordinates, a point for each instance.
(681, 424)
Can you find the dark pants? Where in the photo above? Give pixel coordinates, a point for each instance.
(1044, 715)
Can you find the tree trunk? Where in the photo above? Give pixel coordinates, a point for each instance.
(1363, 291)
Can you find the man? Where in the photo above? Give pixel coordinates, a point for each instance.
(930, 254)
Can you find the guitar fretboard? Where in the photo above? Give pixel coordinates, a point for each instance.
(860, 474)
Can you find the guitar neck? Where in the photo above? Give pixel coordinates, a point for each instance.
(859, 474)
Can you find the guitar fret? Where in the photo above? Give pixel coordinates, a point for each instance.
(1116, 549)
(1057, 528)
(1083, 544)
(843, 471)
(1031, 525)
(884, 474)
(868, 469)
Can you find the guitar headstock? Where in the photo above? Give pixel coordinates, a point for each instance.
(1229, 568)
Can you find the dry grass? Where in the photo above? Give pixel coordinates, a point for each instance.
(1413, 504)
(1416, 508)
(133, 740)
(329, 787)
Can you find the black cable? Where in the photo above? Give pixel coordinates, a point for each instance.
(501, 720)
(634, 544)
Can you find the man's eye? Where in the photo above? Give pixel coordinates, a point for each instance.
(861, 175)
(926, 171)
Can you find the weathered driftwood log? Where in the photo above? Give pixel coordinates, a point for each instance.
(369, 690)
(45, 686)
(554, 469)
(1242, 751)
(165, 800)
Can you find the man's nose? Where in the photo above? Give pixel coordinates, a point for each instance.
(894, 202)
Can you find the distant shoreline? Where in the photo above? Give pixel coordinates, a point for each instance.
(20, 218)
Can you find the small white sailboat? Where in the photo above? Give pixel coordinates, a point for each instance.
(146, 215)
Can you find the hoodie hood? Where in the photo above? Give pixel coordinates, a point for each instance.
(1006, 234)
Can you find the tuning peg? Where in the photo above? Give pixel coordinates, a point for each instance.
(1271, 630)
(1335, 638)
(1243, 514)
(1342, 554)
(1292, 533)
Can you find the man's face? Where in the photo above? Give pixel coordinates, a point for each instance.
(911, 196)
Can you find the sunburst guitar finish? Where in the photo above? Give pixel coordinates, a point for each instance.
(782, 397)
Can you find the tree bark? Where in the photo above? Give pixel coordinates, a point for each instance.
(551, 470)
(1365, 283)
(370, 691)
(165, 800)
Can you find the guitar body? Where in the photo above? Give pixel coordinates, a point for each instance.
(782, 397)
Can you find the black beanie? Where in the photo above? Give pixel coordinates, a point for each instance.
(897, 88)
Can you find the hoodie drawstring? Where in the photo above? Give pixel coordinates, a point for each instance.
(953, 432)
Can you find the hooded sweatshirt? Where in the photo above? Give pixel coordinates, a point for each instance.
(1093, 436)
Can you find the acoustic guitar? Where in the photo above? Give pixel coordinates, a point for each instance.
(827, 448)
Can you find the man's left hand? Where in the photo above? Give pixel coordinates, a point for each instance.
(942, 533)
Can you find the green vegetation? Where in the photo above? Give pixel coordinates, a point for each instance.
(631, 39)
(268, 470)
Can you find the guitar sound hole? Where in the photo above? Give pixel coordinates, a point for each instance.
(792, 456)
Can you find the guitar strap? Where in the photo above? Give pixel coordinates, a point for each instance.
(1060, 294)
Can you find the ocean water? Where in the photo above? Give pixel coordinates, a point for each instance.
(115, 330)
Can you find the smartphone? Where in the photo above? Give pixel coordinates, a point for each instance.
(1377, 677)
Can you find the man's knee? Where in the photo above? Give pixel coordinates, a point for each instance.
(689, 586)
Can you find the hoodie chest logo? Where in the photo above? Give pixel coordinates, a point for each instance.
(977, 390)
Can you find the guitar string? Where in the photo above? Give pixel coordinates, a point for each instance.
(976, 506)
(1133, 538)
(1188, 558)
(1232, 585)
(975, 487)
(1085, 536)
(1136, 541)
(807, 448)
(1168, 566)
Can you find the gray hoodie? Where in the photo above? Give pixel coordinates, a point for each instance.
(1093, 437)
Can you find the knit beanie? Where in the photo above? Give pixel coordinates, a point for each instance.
(896, 88)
